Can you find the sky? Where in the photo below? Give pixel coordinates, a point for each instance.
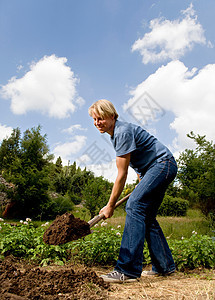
(154, 60)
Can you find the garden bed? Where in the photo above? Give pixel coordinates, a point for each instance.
(21, 280)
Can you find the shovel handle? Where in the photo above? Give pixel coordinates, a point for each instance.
(98, 218)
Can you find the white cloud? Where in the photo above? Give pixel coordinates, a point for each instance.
(170, 39)
(49, 87)
(67, 150)
(190, 95)
(73, 128)
(83, 160)
(5, 132)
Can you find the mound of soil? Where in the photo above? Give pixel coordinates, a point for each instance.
(18, 281)
(22, 280)
(64, 229)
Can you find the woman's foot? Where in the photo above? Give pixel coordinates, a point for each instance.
(117, 277)
(153, 273)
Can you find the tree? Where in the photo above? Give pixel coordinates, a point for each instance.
(10, 151)
(173, 189)
(197, 173)
(27, 165)
(58, 165)
(70, 180)
(96, 194)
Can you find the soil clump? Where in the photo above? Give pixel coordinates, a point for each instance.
(64, 229)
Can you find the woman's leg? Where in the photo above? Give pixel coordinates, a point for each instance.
(141, 209)
(131, 251)
(161, 257)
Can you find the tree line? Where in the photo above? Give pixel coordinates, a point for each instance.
(44, 189)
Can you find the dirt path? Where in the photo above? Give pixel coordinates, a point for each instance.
(197, 284)
(178, 287)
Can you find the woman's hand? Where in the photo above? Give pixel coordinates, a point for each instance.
(107, 211)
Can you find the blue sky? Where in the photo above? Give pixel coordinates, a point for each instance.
(154, 60)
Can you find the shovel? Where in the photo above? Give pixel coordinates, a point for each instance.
(98, 218)
(67, 228)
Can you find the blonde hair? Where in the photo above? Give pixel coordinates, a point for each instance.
(103, 108)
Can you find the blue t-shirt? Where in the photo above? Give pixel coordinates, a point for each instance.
(145, 149)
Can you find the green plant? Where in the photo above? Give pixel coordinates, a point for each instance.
(57, 206)
(25, 162)
(173, 206)
(197, 251)
(16, 239)
(96, 194)
(25, 240)
(102, 246)
(196, 170)
(76, 199)
(46, 254)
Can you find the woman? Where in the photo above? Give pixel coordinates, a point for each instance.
(156, 168)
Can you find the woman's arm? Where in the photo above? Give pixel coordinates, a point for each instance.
(122, 163)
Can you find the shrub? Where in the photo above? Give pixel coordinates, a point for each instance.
(76, 199)
(173, 207)
(57, 206)
(197, 251)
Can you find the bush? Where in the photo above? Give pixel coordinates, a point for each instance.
(57, 206)
(96, 194)
(197, 251)
(76, 199)
(173, 207)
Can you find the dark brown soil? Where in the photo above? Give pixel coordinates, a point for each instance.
(18, 280)
(64, 229)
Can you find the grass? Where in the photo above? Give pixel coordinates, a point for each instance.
(178, 227)
(173, 227)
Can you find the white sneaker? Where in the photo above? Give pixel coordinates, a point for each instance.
(149, 273)
(117, 277)
(153, 273)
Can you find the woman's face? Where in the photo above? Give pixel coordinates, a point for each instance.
(104, 124)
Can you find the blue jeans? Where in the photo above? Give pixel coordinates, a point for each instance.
(141, 223)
